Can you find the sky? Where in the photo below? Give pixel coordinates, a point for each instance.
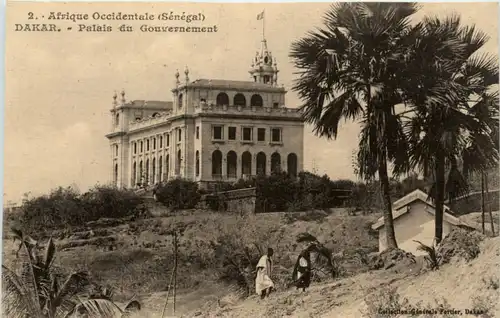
(59, 85)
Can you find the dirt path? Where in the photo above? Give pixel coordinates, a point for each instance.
(463, 286)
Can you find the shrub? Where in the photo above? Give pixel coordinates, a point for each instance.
(66, 207)
(179, 194)
(40, 291)
(432, 258)
(460, 243)
(110, 202)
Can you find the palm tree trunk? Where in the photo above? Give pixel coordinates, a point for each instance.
(488, 199)
(384, 185)
(483, 210)
(439, 199)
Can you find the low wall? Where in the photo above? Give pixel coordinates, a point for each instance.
(241, 201)
(472, 203)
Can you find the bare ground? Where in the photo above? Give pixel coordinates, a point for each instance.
(128, 261)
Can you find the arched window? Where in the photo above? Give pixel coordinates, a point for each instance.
(115, 177)
(142, 146)
(275, 163)
(167, 166)
(216, 164)
(135, 148)
(146, 175)
(292, 164)
(239, 100)
(246, 163)
(179, 100)
(116, 150)
(231, 164)
(153, 172)
(117, 119)
(261, 163)
(141, 171)
(160, 169)
(134, 173)
(256, 101)
(178, 163)
(147, 144)
(154, 143)
(197, 168)
(222, 99)
(161, 142)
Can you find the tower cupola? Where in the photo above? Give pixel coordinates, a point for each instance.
(264, 68)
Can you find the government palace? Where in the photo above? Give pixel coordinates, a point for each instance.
(214, 130)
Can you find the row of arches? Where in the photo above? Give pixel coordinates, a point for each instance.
(246, 163)
(239, 100)
(152, 171)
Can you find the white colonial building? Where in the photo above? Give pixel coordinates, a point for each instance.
(214, 130)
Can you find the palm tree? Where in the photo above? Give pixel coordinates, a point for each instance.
(350, 70)
(38, 292)
(481, 154)
(448, 102)
(321, 251)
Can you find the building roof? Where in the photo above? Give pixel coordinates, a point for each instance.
(401, 207)
(229, 84)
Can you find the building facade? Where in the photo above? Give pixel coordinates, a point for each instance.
(213, 130)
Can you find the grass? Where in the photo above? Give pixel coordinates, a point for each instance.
(137, 257)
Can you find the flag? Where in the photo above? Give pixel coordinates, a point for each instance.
(260, 16)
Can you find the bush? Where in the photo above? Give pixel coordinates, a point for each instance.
(66, 207)
(179, 194)
(460, 243)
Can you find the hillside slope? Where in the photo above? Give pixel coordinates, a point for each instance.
(455, 286)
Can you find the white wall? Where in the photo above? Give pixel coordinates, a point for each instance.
(417, 224)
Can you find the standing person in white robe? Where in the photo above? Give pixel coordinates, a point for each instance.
(263, 282)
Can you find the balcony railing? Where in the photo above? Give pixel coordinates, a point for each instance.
(257, 110)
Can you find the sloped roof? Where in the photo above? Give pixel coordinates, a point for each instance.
(230, 84)
(401, 207)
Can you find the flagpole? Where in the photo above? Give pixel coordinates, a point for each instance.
(263, 24)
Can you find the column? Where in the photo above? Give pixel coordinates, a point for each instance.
(238, 166)
(224, 166)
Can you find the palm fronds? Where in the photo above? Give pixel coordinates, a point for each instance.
(432, 258)
(36, 291)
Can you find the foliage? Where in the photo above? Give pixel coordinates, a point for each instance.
(38, 292)
(66, 207)
(236, 250)
(460, 243)
(350, 69)
(432, 258)
(178, 194)
(321, 251)
(452, 124)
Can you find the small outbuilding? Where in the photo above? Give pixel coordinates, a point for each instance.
(413, 217)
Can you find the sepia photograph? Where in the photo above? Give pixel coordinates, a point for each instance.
(182, 159)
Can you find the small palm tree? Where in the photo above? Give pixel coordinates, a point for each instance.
(322, 252)
(432, 258)
(38, 292)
